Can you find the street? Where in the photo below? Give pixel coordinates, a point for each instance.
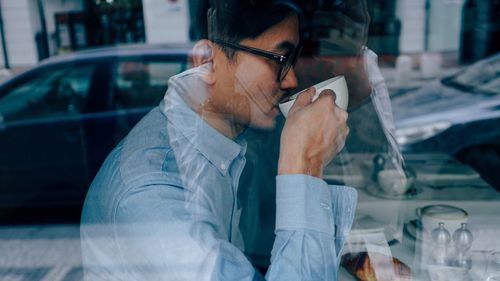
(40, 253)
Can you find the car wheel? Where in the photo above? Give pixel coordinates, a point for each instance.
(485, 159)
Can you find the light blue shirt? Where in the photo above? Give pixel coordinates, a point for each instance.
(164, 207)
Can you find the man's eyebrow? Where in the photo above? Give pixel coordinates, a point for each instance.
(285, 46)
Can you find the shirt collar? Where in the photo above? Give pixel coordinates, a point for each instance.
(220, 150)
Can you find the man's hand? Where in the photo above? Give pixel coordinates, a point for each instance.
(313, 133)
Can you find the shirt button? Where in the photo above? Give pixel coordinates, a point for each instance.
(223, 166)
(325, 206)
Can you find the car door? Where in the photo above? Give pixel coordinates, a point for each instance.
(134, 85)
(41, 159)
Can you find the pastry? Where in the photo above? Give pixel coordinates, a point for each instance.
(375, 267)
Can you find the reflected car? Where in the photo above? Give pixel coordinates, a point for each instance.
(459, 115)
(60, 119)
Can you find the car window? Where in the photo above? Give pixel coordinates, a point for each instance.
(52, 92)
(142, 84)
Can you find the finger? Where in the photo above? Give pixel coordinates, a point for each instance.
(327, 98)
(328, 92)
(340, 145)
(345, 132)
(304, 99)
(342, 130)
(341, 114)
(341, 139)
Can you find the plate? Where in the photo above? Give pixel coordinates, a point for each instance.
(350, 180)
(376, 191)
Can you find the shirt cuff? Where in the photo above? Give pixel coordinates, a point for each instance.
(306, 202)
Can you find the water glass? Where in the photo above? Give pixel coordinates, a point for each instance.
(493, 269)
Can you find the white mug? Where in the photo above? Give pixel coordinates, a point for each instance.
(432, 215)
(337, 84)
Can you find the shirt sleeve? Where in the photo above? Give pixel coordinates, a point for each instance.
(155, 236)
(313, 220)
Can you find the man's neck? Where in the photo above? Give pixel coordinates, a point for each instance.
(222, 123)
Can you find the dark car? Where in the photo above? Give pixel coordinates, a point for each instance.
(459, 115)
(60, 119)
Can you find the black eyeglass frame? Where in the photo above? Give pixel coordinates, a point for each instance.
(282, 60)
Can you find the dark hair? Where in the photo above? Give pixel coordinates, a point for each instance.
(235, 20)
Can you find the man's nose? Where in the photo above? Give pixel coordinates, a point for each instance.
(290, 80)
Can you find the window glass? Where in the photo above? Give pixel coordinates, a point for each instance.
(53, 92)
(142, 83)
(225, 177)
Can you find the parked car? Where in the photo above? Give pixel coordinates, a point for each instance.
(459, 115)
(60, 119)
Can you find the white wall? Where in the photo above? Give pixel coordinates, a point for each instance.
(34, 15)
(165, 21)
(19, 32)
(412, 16)
(22, 21)
(445, 25)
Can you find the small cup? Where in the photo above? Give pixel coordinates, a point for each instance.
(393, 181)
(337, 84)
(451, 216)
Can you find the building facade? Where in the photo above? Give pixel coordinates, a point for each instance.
(35, 29)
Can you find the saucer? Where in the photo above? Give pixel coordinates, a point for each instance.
(412, 229)
(376, 191)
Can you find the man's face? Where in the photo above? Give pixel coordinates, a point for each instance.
(247, 91)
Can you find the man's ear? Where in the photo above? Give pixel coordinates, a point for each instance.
(203, 54)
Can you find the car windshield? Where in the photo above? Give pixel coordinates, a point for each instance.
(481, 77)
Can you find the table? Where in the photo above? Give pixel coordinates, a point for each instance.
(385, 221)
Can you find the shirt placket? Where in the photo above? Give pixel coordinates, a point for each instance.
(235, 172)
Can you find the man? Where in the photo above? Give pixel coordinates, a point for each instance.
(164, 207)
(370, 116)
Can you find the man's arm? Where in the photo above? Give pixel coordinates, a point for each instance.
(161, 236)
(313, 220)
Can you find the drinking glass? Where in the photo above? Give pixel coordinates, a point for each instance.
(493, 269)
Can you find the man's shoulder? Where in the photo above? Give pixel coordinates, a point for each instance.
(146, 150)
(143, 158)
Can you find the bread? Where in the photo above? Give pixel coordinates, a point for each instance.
(375, 267)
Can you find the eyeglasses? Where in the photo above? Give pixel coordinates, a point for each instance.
(286, 62)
